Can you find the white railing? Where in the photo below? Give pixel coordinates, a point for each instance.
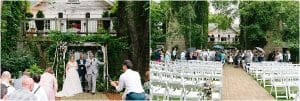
(83, 25)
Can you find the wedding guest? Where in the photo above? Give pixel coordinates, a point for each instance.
(168, 56)
(182, 56)
(6, 78)
(174, 53)
(131, 81)
(18, 82)
(49, 83)
(287, 56)
(24, 94)
(38, 90)
(3, 92)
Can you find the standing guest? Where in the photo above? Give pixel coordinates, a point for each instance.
(6, 78)
(248, 58)
(277, 57)
(24, 94)
(81, 69)
(287, 56)
(222, 57)
(18, 82)
(280, 57)
(3, 92)
(174, 52)
(261, 57)
(49, 83)
(131, 81)
(230, 58)
(162, 55)
(38, 90)
(194, 55)
(157, 55)
(182, 56)
(168, 56)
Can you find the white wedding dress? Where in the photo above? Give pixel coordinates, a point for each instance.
(72, 84)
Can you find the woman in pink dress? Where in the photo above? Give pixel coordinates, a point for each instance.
(49, 83)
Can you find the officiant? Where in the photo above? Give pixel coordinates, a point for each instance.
(82, 70)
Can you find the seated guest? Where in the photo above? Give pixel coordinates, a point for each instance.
(18, 82)
(131, 81)
(3, 92)
(24, 94)
(38, 90)
(49, 83)
(6, 78)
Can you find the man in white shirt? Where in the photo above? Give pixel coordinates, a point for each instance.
(131, 81)
(38, 90)
(6, 77)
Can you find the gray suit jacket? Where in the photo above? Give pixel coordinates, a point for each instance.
(92, 68)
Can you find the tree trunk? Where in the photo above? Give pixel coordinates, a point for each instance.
(42, 56)
(138, 27)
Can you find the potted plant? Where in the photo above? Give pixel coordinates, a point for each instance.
(35, 69)
(28, 15)
(39, 23)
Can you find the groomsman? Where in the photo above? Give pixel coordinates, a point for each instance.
(81, 70)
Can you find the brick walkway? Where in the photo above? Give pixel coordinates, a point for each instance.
(238, 85)
(86, 96)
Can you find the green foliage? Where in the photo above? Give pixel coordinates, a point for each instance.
(160, 14)
(262, 19)
(12, 58)
(35, 69)
(16, 61)
(40, 14)
(12, 14)
(223, 21)
(187, 18)
(28, 15)
(255, 37)
(227, 8)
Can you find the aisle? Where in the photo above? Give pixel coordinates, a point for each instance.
(86, 96)
(238, 85)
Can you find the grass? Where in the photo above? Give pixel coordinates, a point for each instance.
(281, 93)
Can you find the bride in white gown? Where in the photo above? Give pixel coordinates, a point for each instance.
(72, 84)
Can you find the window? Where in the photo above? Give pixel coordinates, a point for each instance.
(73, 2)
(223, 39)
(47, 24)
(60, 15)
(212, 39)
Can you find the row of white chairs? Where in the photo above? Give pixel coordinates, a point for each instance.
(280, 75)
(185, 79)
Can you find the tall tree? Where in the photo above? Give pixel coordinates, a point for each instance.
(136, 20)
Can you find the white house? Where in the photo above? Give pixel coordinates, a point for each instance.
(81, 16)
(228, 36)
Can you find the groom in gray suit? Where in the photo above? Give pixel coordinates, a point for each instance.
(92, 72)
